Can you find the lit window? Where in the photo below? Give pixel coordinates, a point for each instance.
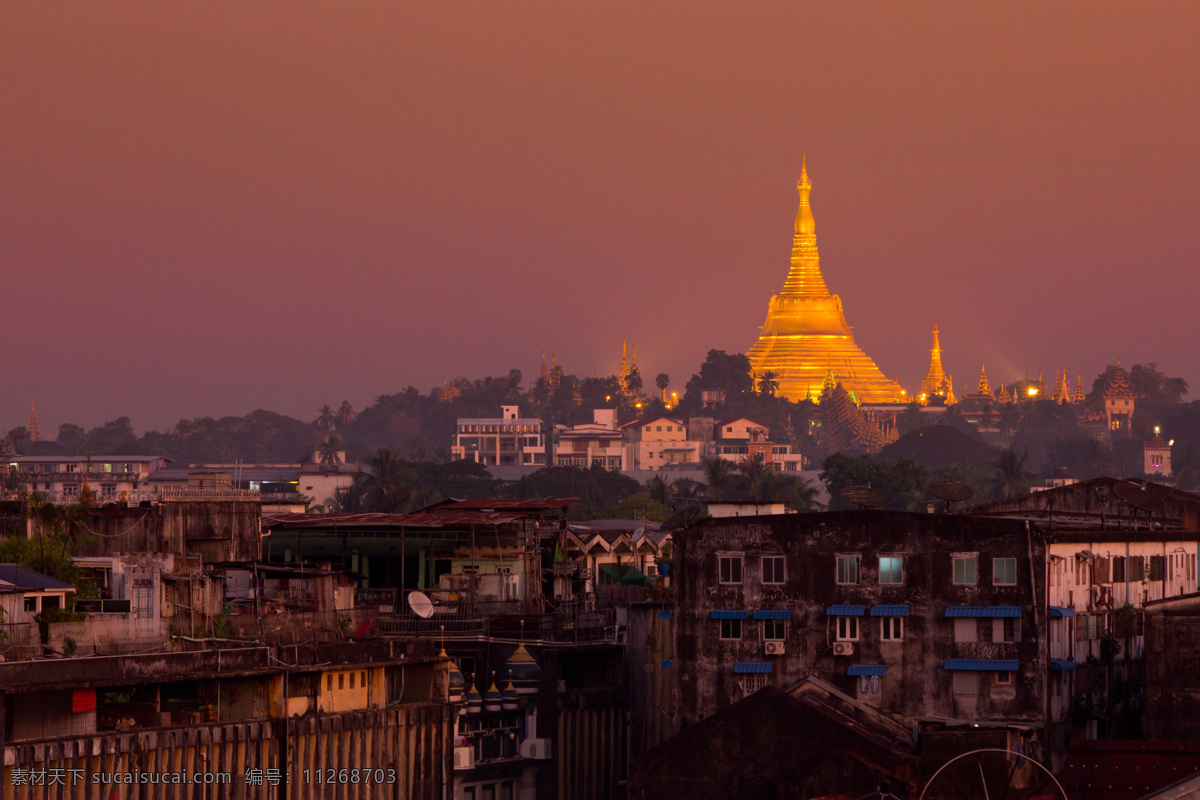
(893, 629)
(1004, 571)
(847, 569)
(891, 569)
(731, 629)
(774, 629)
(964, 571)
(773, 569)
(847, 629)
(731, 569)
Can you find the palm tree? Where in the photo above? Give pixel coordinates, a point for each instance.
(1011, 478)
(767, 384)
(757, 473)
(345, 414)
(384, 476)
(716, 474)
(660, 490)
(662, 382)
(325, 418)
(633, 382)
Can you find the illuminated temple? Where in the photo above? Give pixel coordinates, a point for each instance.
(806, 335)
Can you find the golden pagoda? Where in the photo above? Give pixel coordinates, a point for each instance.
(806, 335)
(35, 432)
(984, 389)
(938, 382)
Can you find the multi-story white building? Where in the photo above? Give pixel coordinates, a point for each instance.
(654, 443)
(110, 478)
(597, 442)
(509, 439)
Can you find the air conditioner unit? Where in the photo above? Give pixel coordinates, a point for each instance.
(843, 648)
(773, 648)
(535, 748)
(464, 758)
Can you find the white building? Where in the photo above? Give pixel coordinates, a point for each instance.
(598, 442)
(115, 478)
(508, 439)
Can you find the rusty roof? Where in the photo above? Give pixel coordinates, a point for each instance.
(1125, 770)
(418, 519)
(495, 503)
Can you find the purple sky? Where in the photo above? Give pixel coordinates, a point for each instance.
(207, 208)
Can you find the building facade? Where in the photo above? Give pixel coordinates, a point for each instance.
(509, 439)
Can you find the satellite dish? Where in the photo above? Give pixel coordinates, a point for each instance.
(950, 492)
(866, 496)
(420, 604)
(1139, 495)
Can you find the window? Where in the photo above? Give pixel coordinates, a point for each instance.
(772, 569)
(341, 681)
(352, 677)
(1002, 679)
(31, 605)
(731, 629)
(847, 629)
(893, 629)
(753, 682)
(362, 679)
(1004, 571)
(1007, 629)
(329, 683)
(774, 629)
(891, 569)
(966, 629)
(731, 569)
(966, 682)
(1118, 569)
(847, 569)
(964, 570)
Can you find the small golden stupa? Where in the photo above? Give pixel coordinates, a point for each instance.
(806, 335)
(938, 382)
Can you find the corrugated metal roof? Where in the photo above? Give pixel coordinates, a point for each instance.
(846, 611)
(752, 667)
(867, 669)
(773, 613)
(983, 664)
(1126, 770)
(1057, 612)
(725, 613)
(1061, 665)
(25, 578)
(983, 611)
(374, 520)
(889, 611)
(495, 503)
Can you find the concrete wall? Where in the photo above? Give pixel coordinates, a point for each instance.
(407, 746)
(916, 686)
(222, 530)
(1172, 667)
(108, 634)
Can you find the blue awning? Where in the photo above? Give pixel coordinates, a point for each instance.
(846, 611)
(724, 613)
(889, 611)
(983, 611)
(1058, 612)
(773, 613)
(867, 669)
(983, 664)
(666, 663)
(1061, 665)
(752, 667)
(664, 614)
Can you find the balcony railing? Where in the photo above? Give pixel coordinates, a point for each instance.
(209, 493)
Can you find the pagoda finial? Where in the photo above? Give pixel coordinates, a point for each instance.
(35, 433)
(984, 386)
(805, 224)
(1079, 397)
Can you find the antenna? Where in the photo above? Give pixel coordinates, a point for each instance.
(420, 604)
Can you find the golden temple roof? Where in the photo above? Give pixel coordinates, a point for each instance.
(937, 381)
(984, 387)
(805, 336)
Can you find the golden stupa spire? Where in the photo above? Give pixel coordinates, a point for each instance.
(937, 381)
(984, 386)
(1061, 393)
(35, 433)
(806, 326)
(545, 374)
(1078, 398)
